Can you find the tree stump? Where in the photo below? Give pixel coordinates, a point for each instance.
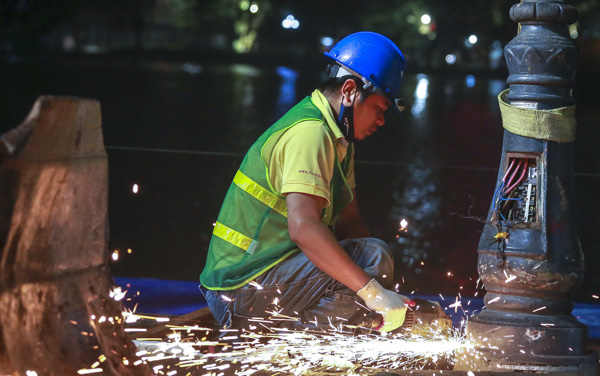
(56, 315)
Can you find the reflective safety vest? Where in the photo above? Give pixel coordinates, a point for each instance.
(251, 233)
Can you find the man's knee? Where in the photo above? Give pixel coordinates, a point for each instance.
(375, 257)
(383, 259)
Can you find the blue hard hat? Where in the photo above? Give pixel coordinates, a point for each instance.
(374, 57)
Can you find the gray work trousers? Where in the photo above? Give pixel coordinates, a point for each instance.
(297, 288)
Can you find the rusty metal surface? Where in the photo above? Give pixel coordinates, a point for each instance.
(61, 176)
(54, 281)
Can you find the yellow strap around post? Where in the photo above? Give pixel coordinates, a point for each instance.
(263, 195)
(236, 238)
(556, 125)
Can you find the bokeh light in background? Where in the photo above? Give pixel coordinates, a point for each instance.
(470, 80)
(290, 22)
(327, 41)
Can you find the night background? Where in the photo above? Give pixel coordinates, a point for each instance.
(186, 86)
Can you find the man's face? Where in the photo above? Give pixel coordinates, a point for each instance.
(369, 115)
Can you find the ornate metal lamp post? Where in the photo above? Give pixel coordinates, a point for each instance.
(530, 258)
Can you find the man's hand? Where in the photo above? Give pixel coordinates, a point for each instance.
(389, 303)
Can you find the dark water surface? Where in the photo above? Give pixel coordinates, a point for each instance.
(179, 131)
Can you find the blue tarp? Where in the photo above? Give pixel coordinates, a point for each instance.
(159, 296)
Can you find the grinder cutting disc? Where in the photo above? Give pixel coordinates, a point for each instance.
(427, 317)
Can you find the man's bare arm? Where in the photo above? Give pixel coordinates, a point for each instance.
(350, 223)
(319, 244)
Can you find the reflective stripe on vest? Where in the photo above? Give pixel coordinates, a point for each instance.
(255, 190)
(238, 239)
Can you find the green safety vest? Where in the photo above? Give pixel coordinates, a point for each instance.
(251, 233)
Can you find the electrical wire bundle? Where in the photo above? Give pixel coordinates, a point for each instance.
(506, 193)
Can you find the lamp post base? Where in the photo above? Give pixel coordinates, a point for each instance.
(516, 342)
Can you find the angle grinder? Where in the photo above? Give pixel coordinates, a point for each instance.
(423, 317)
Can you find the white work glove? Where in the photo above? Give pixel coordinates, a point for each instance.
(389, 303)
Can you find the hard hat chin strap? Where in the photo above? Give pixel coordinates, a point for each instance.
(346, 120)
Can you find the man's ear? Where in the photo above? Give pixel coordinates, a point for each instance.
(349, 90)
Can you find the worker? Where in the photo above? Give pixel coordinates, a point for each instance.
(273, 251)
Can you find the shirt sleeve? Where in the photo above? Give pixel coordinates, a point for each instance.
(303, 160)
